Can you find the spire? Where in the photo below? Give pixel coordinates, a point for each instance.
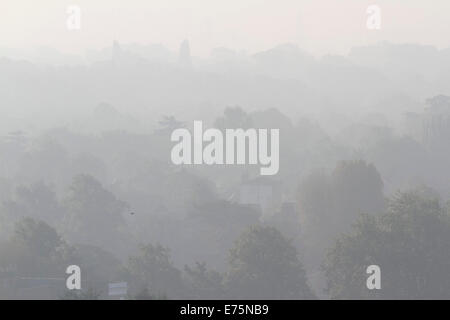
(184, 57)
(116, 51)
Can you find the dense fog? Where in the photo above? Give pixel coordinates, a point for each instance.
(86, 176)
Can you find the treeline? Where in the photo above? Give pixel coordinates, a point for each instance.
(113, 204)
(409, 239)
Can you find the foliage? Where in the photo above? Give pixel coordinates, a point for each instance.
(203, 282)
(410, 243)
(89, 208)
(264, 265)
(153, 266)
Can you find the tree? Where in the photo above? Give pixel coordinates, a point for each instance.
(37, 201)
(410, 243)
(153, 269)
(90, 208)
(46, 160)
(36, 236)
(204, 283)
(233, 117)
(352, 188)
(181, 190)
(99, 266)
(316, 199)
(357, 188)
(35, 250)
(168, 124)
(264, 265)
(330, 203)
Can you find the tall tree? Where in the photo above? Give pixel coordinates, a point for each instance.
(35, 250)
(264, 265)
(330, 203)
(203, 283)
(93, 215)
(37, 201)
(410, 243)
(153, 269)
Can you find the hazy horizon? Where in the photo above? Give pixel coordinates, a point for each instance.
(224, 149)
(318, 27)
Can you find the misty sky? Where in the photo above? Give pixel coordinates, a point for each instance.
(319, 26)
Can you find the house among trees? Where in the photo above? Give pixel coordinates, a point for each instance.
(431, 127)
(262, 192)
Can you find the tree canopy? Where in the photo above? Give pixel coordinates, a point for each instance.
(409, 242)
(263, 264)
